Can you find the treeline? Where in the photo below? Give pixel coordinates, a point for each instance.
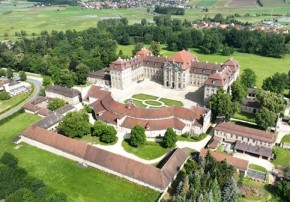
(16, 185)
(66, 57)
(226, 20)
(179, 35)
(169, 10)
(56, 2)
(206, 179)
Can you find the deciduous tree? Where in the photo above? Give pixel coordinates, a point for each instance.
(99, 128)
(9, 73)
(55, 104)
(248, 78)
(170, 138)
(265, 118)
(138, 136)
(22, 76)
(238, 92)
(276, 83)
(109, 134)
(75, 124)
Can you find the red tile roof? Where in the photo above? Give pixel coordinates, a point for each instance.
(43, 111)
(155, 177)
(256, 134)
(235, 162)
(152, 125)
(144, 53)
(184, 57)
(30, 107)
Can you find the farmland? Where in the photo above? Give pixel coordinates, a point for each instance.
(23, 16)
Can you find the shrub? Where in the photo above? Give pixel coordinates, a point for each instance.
(4, 96)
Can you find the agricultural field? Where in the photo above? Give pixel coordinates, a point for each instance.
(206, 3)
(150, 101)
(79, 183)
(275, 3)
(23, 16)
(242, 3)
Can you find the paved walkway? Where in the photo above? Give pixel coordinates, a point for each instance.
(253, 160)
(118, 149)
(283, 128)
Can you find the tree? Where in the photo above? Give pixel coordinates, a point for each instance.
(238, 92)
(22, 76)
(46, 81)
(248, 78)
(170, 138)
(276, 83)
(221, 105)
(5, 95)
(55, 104)
(109, 134)
(9, 73)
(227, 50)
(143, 21)
(155, 48)
(148, 10)
(98, 128)
(216, 191)
(2, 72)
(265, 118)
(137, 47)
(82, 71)
(138, 136)
(230, 191)
(9, 160)
(75, 124)
(271, 101)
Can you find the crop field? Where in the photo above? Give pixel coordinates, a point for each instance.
(23, 16)
(206, 3)
(242, 3)
(275, 3)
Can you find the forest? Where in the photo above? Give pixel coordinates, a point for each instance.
(55, 2)
(169, 10)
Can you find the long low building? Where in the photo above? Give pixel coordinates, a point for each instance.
(158, 179)
(240, 164)
(195, 120)
(69, 95)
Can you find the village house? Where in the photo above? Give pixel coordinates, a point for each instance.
(69, 95)
(247, 140)
(100, 78)
(177, 72)
(150, 176)
(16, 87)
(37, 106)
(240, 165)
(124, 117)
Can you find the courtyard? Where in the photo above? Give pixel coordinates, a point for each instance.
(156, 95)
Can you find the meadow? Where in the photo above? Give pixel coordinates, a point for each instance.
(23, 16)
(79, 183)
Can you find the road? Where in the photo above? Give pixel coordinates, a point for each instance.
(37, 82)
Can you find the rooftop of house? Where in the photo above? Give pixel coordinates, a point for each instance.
(254, 149)
(155, 177)
(256, 134)
(66, 92)
(238, 163)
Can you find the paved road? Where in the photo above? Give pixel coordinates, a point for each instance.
(37, 84)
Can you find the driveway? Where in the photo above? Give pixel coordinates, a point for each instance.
(37, 82)
(253, 160)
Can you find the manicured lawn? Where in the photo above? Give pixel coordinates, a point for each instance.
(138, 103)
(153, 103)
(286, 138)
(245, 116)
(192, 139)
(79, 183)
(258, 168)
(148, 151)
(142, 96)
(282, 156)
(170, 102)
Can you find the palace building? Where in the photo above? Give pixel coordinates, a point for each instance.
(178, 71)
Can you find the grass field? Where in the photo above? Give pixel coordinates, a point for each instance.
(245, 116)
(6, 104)
(282, 156)
(34, 20)
(80, 184)
(286, 138)
(206, 3)
(258, 168)
(148, 151)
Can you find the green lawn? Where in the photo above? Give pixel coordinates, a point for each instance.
(138, 103)
(148, 151)
(80, 184)
(153, 103)
(282, 156)
(245, 116)
(5, 105)
(206, 3)
(170, 102)
(258, 168)
(286, 138)
(142, 96)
